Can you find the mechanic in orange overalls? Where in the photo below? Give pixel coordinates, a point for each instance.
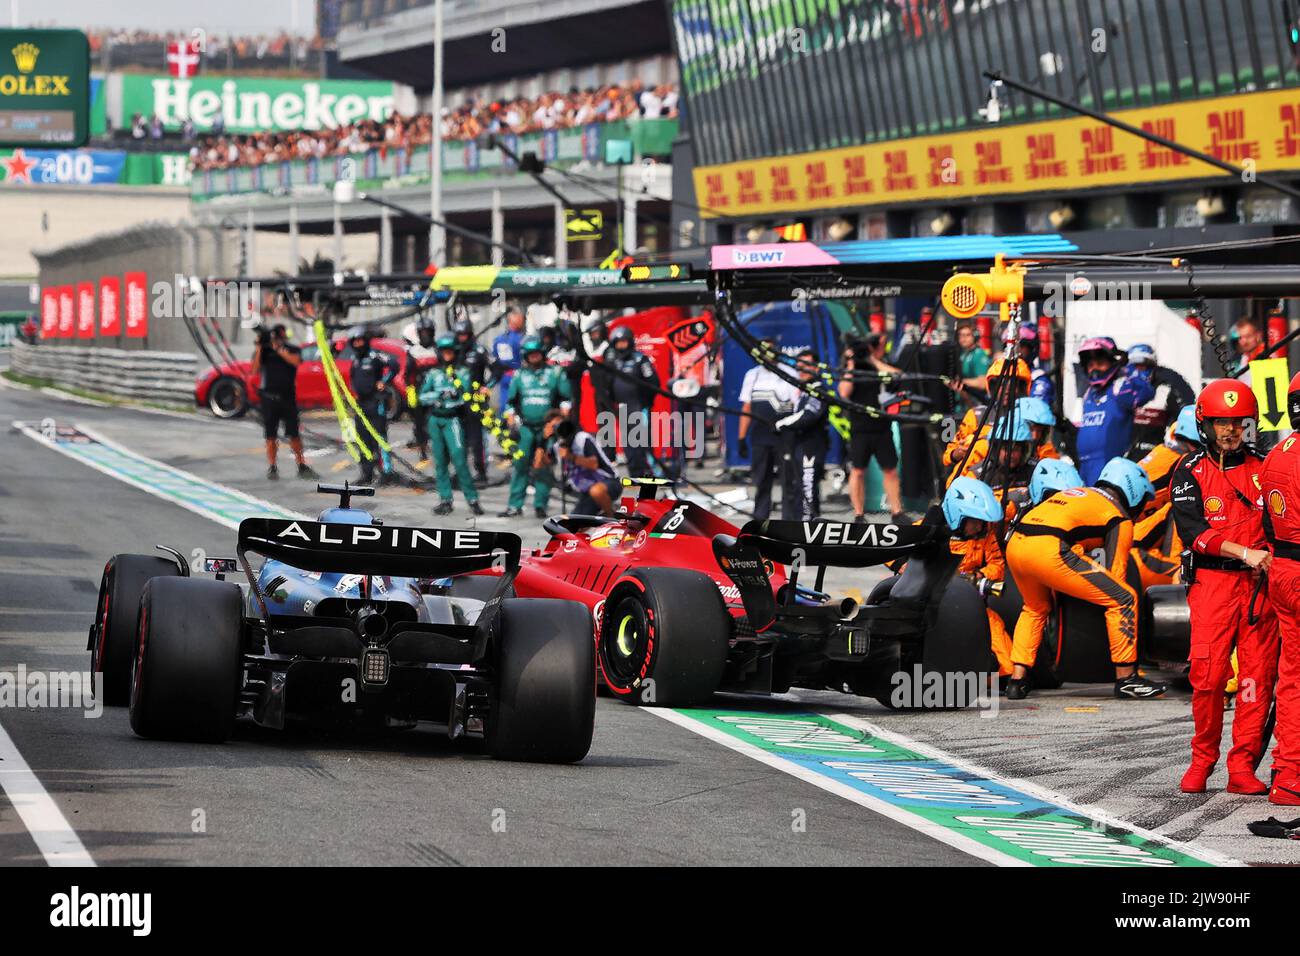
(1280, 487)
(1217, 506)
(973, 512)
(1156, 545)
(1048, 554)
(956, 450)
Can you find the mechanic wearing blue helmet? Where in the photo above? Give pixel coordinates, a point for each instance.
(1050, 553)
(1151, 420)
(1010, 464)
(973, 511)
(1050, 476)
(1041, 421)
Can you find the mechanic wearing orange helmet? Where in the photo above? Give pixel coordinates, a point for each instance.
(1049, 553)
(1280, 486)
(1021, 380)
(1216, 504)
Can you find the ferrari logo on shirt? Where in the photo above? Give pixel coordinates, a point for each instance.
(1255, 479)
(1286, 445)
(1213, 505)
(1276, 503)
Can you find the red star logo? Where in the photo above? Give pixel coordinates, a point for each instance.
(18, 168)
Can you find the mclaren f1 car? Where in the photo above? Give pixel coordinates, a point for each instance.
(687, 604)
(346, 618)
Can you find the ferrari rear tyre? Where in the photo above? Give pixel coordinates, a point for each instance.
(185, 684)
(112, 636)
(664, 635)
(477, 587)
(543, 703)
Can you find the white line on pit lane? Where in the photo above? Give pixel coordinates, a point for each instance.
(910, 820)
(49, 828)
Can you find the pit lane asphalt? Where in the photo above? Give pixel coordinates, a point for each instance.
(649, 792)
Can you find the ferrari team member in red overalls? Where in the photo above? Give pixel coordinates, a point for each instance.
(1280, 484)
(1217, 508)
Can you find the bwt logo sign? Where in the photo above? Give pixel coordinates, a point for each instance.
(763, 257)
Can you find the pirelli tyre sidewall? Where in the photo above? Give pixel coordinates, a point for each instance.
(542, 704)
(112, 643)
(663, 637)
(186, 678)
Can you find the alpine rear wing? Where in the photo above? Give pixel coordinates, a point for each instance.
(378, 549)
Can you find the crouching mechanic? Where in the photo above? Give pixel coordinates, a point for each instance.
(586, 469)
(973, 512)
(1049, 554)
(1280, 485)
(1216, 504)
(441, 394)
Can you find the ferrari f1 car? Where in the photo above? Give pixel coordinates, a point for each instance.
(687, 604)
(347, 617)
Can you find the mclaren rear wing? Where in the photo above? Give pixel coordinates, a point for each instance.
(746, 558)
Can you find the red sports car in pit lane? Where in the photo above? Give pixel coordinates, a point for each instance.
(686, 603)
(230, 390)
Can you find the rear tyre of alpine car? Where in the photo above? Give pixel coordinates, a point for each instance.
(664, 636)
(112, 638)
(185, 682)
(543, 702)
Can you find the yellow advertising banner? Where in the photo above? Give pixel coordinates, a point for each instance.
(1259, 131)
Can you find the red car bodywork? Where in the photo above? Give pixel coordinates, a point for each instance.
(312, 388)
(583, 565)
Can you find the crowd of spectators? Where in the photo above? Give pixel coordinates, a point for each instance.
(146, 49)
(221, 150)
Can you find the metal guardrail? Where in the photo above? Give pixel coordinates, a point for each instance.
(151, 376)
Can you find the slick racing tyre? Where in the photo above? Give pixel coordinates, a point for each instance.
(112, 636)
(542, 707)
(943, 669)
(185, 683)
(664, 635)
(228, 398)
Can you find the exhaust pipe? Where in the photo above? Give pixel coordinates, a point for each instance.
(370, 624)
(848, 608)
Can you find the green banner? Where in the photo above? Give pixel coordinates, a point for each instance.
(253, 103)
(44, 88)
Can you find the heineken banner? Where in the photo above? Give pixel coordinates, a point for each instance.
(90, 167)
(248, 104)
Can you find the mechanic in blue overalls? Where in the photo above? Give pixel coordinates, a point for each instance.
(1115, 390)
(506, 354)
(371, 376)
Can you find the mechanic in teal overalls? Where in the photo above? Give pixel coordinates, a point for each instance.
(445, 399)
(535, 389)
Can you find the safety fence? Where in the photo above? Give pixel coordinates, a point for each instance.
(166, 377)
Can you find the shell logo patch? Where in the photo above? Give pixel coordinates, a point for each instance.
(1276, 503)
(1231, 398)
(1213, 505)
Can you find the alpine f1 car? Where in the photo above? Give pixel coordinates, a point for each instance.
(347, 617)
(687, 604)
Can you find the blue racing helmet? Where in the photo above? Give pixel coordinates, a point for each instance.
(1035, 411)
(1185, 426)
(1129, 478)
(1142, 355)
(1013, 427)
(969, 497)
(1050, 476)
